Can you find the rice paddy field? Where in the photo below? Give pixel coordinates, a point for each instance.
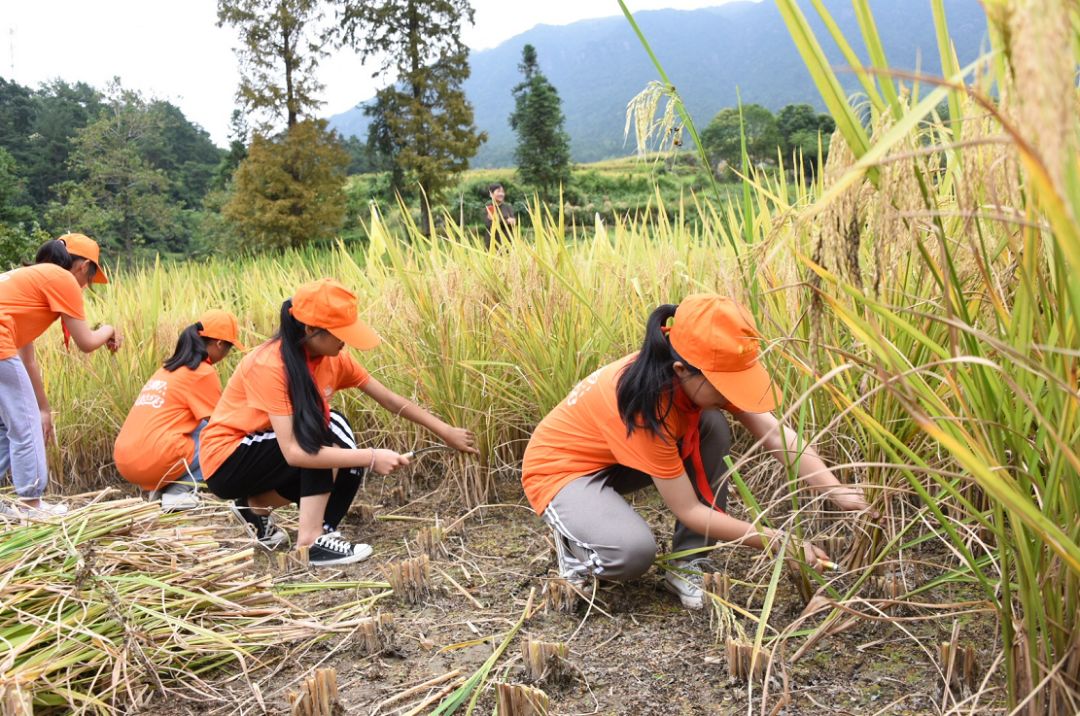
(922, 315)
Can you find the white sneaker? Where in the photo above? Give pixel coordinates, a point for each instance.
(572, 569)
(44, 510)
(328, 551)
(9, 512)
(685, 580)
(178, 497)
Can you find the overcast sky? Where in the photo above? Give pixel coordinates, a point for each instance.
(173, 49)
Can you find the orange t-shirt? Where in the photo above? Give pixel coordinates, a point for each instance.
(257, 390)
(155, 440)
(584, 434)
(31, 298)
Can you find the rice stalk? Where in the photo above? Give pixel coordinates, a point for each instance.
(118, 604)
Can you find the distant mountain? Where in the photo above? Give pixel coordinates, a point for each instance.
(598, 65)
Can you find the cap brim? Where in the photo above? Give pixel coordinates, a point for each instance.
(750, 391)
(231, 341)
(358, 335)
(100, 276)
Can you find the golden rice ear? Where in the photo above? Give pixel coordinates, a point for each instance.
(1044, 65)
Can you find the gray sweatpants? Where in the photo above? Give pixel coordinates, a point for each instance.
(22, 443)
(604, 533)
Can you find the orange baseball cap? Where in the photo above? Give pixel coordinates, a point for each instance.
(718, 336)
(327, 304)
(221, 326)
(83, 246)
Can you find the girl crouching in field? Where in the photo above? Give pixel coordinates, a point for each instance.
(273, 439)
(31, 298)
(654, 417)
(158, 445)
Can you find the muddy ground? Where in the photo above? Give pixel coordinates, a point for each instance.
(635, 650)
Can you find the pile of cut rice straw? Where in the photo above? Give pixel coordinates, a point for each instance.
(117, 604)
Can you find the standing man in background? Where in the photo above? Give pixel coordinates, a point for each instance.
(499, 215)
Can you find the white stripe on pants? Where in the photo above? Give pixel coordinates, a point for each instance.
(22, 444)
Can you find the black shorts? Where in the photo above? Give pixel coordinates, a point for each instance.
(257, 465)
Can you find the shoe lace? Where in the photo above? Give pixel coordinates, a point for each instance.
(335, 544)
(265, 524)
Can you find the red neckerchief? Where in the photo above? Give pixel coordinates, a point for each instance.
(312, 364)
(691, 444)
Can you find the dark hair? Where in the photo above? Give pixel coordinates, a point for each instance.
(309, 421)
(647, 386)
(90, 272)
(54, 252)
(190, 349)
(495, 185)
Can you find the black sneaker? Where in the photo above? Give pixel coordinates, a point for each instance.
(261, 527)
(328, 551)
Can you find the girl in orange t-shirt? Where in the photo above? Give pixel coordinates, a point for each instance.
(653, 418)
(158, 445)
(273, 439)
(31, 298)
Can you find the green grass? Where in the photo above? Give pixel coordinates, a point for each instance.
(613, 188)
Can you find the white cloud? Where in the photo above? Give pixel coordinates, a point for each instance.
(174, 50)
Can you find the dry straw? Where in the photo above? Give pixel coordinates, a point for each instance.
(544, 660)
(559, 595)
(745, 661)
(375, 633)
(520, 700)
(119, 604)
(318, 695)
(432, 542)
(410, 578)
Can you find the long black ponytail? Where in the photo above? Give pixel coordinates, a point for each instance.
(309, 420)
(190, 349)
(647, 386)
(54, 252)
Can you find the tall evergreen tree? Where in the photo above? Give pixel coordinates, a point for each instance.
(425, 120)
(289, 189)
(282, 42)
(543, 149)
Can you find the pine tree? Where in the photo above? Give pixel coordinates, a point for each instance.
(424, 121)
(289, 189)
(543, 149)
(282, 42)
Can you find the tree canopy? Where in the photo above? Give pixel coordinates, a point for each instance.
(543, 148)
(281, 44)
(290, 189)
(423, 122)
